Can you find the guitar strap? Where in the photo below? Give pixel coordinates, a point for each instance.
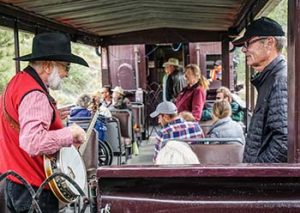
(7, 116)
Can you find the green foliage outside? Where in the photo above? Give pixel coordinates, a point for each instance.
(81, 79)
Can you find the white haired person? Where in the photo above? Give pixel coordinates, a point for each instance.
(267, 135)
(30, 123)
(176, 152)
(81, 110)
(119, 100)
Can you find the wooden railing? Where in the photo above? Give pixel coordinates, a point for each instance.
(201, 188)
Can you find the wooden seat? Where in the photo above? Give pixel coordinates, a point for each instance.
(83, 122)
(218, 150)
(125, 118)
(113, 137)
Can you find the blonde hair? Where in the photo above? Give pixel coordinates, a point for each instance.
(176, 152)
(187, 116)
(226, 93)
(222, 109)
(197, 72)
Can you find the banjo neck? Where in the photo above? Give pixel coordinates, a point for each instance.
(89, 132)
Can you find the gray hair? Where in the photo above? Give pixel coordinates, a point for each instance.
(280, 42)
(84, 100)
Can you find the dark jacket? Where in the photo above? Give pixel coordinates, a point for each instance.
(192, 99)
(237, 113)
(79, 111)
(175, 83)
(267, 135)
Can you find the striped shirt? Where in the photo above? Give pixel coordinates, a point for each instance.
(177, 129)
(35, 115)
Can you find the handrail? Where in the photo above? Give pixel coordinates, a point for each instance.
(209, 140)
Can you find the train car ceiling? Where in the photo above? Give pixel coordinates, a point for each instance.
(105, 22)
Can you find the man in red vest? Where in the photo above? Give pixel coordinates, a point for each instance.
(30, 124)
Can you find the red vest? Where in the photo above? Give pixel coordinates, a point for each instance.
(12, 157)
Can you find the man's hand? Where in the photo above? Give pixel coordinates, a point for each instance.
(79, 135)
(63, 113)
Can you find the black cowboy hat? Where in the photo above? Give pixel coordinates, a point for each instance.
(52, 47)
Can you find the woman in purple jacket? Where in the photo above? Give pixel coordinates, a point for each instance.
(192, 97)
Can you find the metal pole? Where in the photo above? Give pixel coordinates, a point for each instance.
(198, 53)
(136, 63)
(17, 47)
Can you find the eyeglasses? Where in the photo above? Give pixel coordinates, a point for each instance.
(67, 66)
(248, 43)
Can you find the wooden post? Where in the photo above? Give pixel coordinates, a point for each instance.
(17, 46)
(226, 74)
(105, 66)
(293, 81)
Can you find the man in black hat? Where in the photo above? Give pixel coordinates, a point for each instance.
(30, 124)
(262, 44)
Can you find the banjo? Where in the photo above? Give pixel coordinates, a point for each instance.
(68, 160)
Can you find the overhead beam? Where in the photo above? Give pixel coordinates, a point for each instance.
(249, 11)
(163, 35)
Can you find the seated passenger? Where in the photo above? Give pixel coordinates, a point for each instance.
(95, 101)
(224, 126)
(224, 93)
(173, 126)
(119, 101)
(106, 95)
(81, 110)
(187, 116)
(176, 152)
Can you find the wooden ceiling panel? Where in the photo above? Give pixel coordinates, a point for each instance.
(101, 18)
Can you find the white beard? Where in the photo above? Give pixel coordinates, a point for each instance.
(54, 80)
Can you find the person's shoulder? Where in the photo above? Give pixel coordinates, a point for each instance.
(234, 105)
(193, 124)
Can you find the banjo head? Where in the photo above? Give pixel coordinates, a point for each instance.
(71, 164)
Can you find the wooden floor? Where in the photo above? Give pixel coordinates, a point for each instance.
(145, 156)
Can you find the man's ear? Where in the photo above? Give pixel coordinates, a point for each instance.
(47, 67)
(271, 42)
